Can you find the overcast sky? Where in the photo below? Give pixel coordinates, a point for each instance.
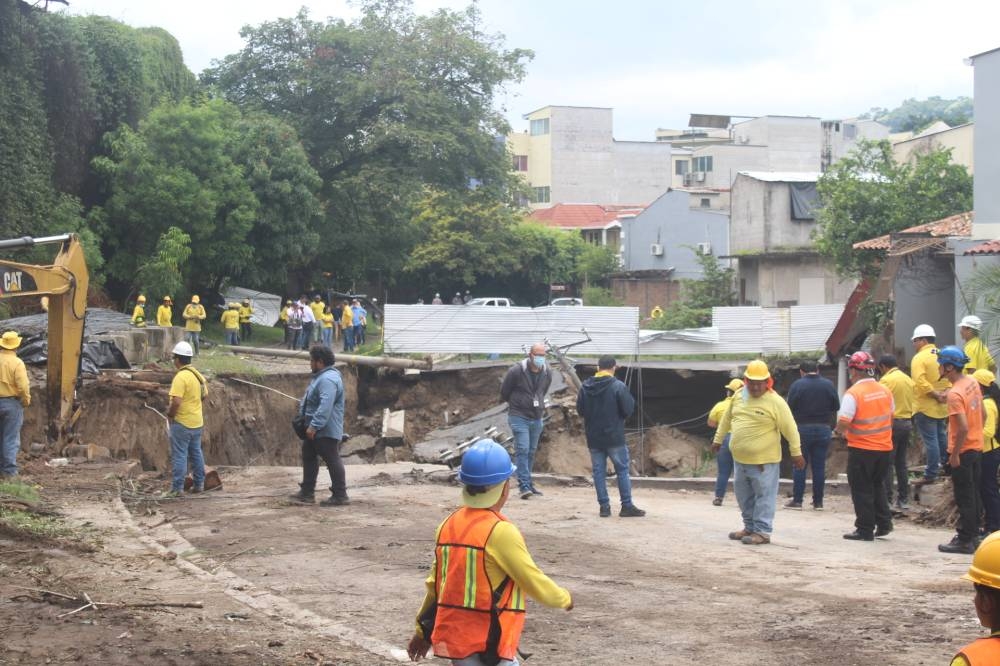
(655, 62)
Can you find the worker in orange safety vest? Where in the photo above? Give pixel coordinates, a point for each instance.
(985, 575)
(482, 572)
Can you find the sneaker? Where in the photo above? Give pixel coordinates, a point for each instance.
(631, 511)
(858, 535)
(817, 507)
(738, 536)
(302, 498)
(717, 501)
(526, 493)
(755, 539)
(902, 505)
(956, 545)
(335, 501)
(883, 532)
(536, 491)
(605, 511)
(793, 505)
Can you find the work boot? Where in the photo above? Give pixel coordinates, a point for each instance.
(817, 507)
(858, 535)
(333, 500)
(303, 497)
(717, 501)
(197, 489)
(756, 539)
(605, 511)
(883, 531)
(956, 545)
(631, 511)
(738, 536)
(536, 491)
(793, 505)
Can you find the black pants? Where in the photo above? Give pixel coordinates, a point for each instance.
(329, 450)
(246, 328)
(965, 484)
(901, 431)
(866, 472)
(307, 333)
(989, 491)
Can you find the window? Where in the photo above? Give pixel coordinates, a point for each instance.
(539, 127)
(706, 203)
(520, 162)
(850, 131)
(681, 167)
(541, 194)
(703, 163)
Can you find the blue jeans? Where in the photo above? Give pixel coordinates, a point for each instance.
(11, 419)
(934, 434)
(185, 444)
(988, 489)
(328, 337)
(526, 433)
(348, 338)
(193, 338)
(599, 461)
(232, 336)
(359, 335)
(724, 460)
(815, 440)
(756, 489)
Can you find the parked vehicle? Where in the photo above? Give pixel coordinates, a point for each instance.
(566, 301)
(492, 301)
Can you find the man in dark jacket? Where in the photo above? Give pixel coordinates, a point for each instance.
(814, 403)
(524, 390)
(604, 403)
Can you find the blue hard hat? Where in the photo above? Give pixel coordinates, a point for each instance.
(485, 463)
(952, 355)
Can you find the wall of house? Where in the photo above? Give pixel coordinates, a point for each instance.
(987, 138)
(965, 267)
(761, 218)
(958, 139)
(641, 171)
(793, 280)
(646, 293)
(727, 160)
(924, 293)
(670, 222)
(793, 143)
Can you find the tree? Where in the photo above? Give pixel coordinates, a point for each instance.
(915, 115)
(867, 194)
(161, 274)
(698, 297)
(595, 264)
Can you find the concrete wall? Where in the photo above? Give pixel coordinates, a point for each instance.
(987, 139)
(959, 139)
(793, 143)
(642, 171)
(924, 293)
(965, 266)
(790, 280)
(646, 294)
(761, 218)
(670, 222)
(727, 160)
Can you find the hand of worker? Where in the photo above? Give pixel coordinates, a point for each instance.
(418, 647)
(940, 396)
(716, 447)
(798, 462)
(310, 433)
(954, 460)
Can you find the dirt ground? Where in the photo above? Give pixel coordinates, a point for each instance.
(667, 588)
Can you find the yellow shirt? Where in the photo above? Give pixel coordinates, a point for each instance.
(164, 316)
(189, 386)
(979, 356)
(715, 416)
(230, 320)
(927, 377)
(347, 319)
(317, 309)
(756, 426)
(990, 425)
(902, 388)
(283, 317)
(139, 315)
(245, 312)
(14, 377)
(327, 319)
(507, 555)
(193, 314)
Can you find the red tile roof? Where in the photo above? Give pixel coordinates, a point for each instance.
(956, 225)
(583, 216)
(989, 247)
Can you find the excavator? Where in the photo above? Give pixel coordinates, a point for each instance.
(65, 284)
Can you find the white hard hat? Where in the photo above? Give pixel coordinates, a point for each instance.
(971, 321)
(923, 331)
(183, 349)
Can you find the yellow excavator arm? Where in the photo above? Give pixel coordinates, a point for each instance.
(65, 283)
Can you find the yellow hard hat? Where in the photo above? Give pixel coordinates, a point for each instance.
(984, 376)
(196, 299)
(10, 340)
(234, 306)
(757, 371)
(141, 299)
(735, 385)
(168, 299)
(985, 567)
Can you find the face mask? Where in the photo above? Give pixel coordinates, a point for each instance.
(539, 361)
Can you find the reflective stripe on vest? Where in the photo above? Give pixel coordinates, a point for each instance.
(982, 652)
(465, 624)
(871, 427)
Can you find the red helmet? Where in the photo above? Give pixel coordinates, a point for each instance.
(861, 360)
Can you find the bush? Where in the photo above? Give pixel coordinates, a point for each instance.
(600, 296)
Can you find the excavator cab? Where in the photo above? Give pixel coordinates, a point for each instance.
(65, 284)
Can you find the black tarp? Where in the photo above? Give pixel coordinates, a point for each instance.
(804, 200)
(34, 349)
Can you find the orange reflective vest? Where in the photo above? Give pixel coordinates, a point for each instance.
(982, 652)
(473, 614)
(871, 427)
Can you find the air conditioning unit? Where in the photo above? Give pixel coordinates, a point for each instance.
(704, 248)
(699, 176)
(656, 250)
(688, 179)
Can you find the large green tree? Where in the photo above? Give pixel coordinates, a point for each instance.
(914, 115)
(386, 105)
(867, 194)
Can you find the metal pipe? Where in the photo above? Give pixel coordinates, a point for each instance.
(351, 359)
(28, 241)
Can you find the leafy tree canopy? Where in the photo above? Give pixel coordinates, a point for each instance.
(698, 297)
(915, 115)
(867, 194)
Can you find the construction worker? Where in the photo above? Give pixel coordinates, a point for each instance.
(194, 314)
(989, 490)
(246, 312)
(326, 320)
(317, 306)
(283, 319)
(184, 413)
(359, 317)
(902, 389)
(966, 416)
(724, 457)
(757, 419)
(473, 612)
(231, 323)
(984, 574)
(139, 312)
(865, 419)
(165, 313)
(347, 323)
(15, 395)
(977, 351)
(524, 389)
(814, 403)
(930, 412)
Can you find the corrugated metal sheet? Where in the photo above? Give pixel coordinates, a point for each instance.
(776, 330)
(484, 330)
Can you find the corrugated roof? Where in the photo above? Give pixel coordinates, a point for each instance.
(956, 225)
(583, 216)
(783, 176)
(989, 247)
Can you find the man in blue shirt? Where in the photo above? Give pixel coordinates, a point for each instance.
(360, 321)
(323, 405)
(814, 403)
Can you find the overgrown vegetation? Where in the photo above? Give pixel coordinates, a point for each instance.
(916, 115)
(698, 297)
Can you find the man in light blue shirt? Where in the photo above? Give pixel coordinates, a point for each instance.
(360, 321)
